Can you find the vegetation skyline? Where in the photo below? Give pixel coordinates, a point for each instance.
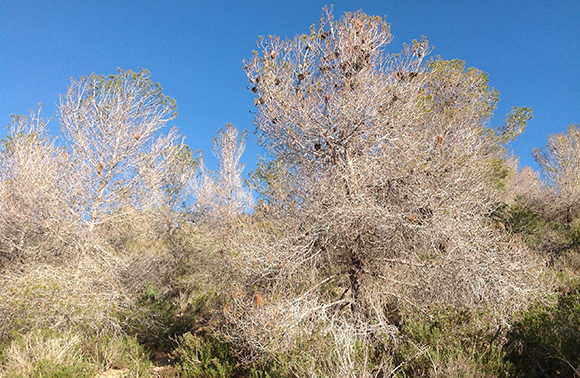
(195, 51)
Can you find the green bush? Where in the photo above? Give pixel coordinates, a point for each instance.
(156, 320)
(521, 219)
(545, 340)
(152, 318)
(575, 232)
(268, 369)
(204, 357)
(450, 342)
(209, 357)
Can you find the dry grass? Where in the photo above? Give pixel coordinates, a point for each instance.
(23, 354)
(60, 298)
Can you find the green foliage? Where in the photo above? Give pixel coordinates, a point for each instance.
(104, 85)
(271, 180)
(575, 232)
(448, 78)
(49, 369)
(210, 357)
(320, 357)
(152, 318)
(450, 340)
(268, 369)
(521, 219)
(501, 172)
(515, 123)
(181, 165)
(41, 302)
(205, 357)
(545, 340)
(156, 320)
(543, 229)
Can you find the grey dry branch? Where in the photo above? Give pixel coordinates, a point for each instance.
(112, 125)
(382, 178)
(36, 214)
(221, 196)
(560, 163)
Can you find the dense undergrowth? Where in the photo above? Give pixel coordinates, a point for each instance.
(49, 332)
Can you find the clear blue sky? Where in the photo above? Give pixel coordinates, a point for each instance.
(194, 49)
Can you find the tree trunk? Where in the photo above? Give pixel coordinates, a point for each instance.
(355, 277)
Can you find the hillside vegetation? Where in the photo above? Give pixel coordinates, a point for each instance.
(387, 232)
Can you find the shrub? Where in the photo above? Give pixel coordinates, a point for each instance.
(123, 352)
(204, 357)
(63, 299)
(545, 339)
(211, 357)
(451, 342)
